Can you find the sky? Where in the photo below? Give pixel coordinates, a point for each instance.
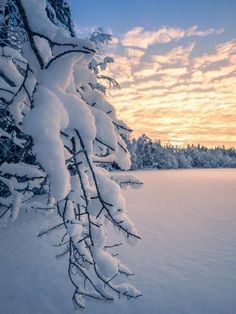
(175, 61)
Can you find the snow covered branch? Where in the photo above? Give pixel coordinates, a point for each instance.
(57, 129)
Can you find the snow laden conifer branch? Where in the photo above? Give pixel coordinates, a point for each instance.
(57, 130)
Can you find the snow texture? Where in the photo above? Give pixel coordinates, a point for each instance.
(184, 264)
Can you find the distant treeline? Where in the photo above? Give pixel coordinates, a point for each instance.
(151, 154)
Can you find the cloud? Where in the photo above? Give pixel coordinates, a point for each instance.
(193, 31)
(179, 94)
(178, 54)
(223, 52)
(134, 53)
(139, 37)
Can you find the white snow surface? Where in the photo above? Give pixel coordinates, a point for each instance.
(185, 263)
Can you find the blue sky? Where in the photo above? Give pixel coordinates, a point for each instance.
(175, 61)
(121, 15)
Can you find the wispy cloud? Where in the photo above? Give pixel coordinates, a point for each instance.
(139, 37)
(177, 95)
(194, 31)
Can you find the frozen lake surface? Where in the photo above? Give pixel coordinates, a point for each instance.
(185, 263)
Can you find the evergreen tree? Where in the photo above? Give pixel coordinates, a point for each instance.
(148, 153)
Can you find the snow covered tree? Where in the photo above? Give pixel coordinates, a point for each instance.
(144, 156)
(56, 131)
(147, 153)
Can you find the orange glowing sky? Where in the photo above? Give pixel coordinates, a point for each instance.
(178, 81)
(171, 93)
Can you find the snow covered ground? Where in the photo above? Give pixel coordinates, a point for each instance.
(185, 263)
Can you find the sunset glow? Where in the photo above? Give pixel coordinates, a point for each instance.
(174, 95)
(178, 84)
